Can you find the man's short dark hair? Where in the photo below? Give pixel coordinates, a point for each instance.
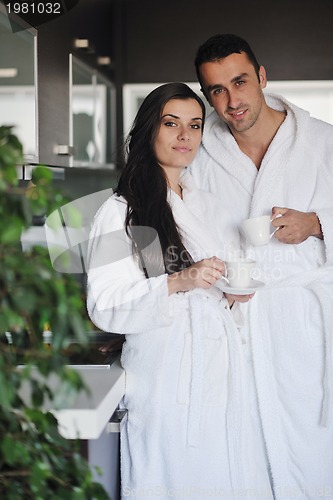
(220, 46)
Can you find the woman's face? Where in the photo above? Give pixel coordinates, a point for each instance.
(179, 135)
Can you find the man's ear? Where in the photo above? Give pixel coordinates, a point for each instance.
(262, 77)
(205, 96)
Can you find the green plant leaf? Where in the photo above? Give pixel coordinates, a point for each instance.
(36, 462)
(14, 451)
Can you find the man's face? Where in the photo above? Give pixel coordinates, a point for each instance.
(232, 88)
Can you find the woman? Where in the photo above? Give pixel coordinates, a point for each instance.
(188, 431)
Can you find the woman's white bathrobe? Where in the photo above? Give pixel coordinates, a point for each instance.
(290, 321)
(189, 431)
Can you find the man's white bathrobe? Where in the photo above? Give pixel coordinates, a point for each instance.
(290, 321)
(189, 429)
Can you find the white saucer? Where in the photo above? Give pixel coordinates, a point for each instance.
(225, 287)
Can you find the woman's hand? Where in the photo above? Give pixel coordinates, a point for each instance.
(238, 298)
(202, 274)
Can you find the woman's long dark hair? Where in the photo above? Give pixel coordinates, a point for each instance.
(143, 182)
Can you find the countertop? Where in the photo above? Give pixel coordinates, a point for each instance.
(87, 416)
(84, 415)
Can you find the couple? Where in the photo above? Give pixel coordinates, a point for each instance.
(216, 407)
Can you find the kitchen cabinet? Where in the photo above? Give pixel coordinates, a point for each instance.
(18, 81)
(76, 106)
(92, 116)
(55, 97)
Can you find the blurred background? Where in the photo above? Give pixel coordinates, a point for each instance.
(78, 78)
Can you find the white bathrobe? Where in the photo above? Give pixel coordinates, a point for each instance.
(189, 429)
(289, 323)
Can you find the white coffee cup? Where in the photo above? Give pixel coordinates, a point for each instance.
(258, 230)
(239, 272)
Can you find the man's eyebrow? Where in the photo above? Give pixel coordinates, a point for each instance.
(233, 80)
(214, 87)
(177, 117)
(239, 77)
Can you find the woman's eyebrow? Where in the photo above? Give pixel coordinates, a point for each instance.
(173, 116)
(177, 117)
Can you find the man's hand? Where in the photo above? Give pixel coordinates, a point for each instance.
(294, 226)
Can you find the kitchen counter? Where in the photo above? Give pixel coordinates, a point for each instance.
(85, 414)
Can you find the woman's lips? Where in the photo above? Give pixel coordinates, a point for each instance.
(182, 150)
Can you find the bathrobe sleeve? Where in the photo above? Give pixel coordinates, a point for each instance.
(321, 149)
(323, 199)
(120, 298)
(325, 216)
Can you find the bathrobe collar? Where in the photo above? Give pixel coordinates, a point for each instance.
(223, 148)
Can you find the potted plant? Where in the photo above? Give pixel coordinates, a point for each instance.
(35, 460)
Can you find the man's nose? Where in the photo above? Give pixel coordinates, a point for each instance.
(233, 100)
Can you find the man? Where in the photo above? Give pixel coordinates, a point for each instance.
(262, 155)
